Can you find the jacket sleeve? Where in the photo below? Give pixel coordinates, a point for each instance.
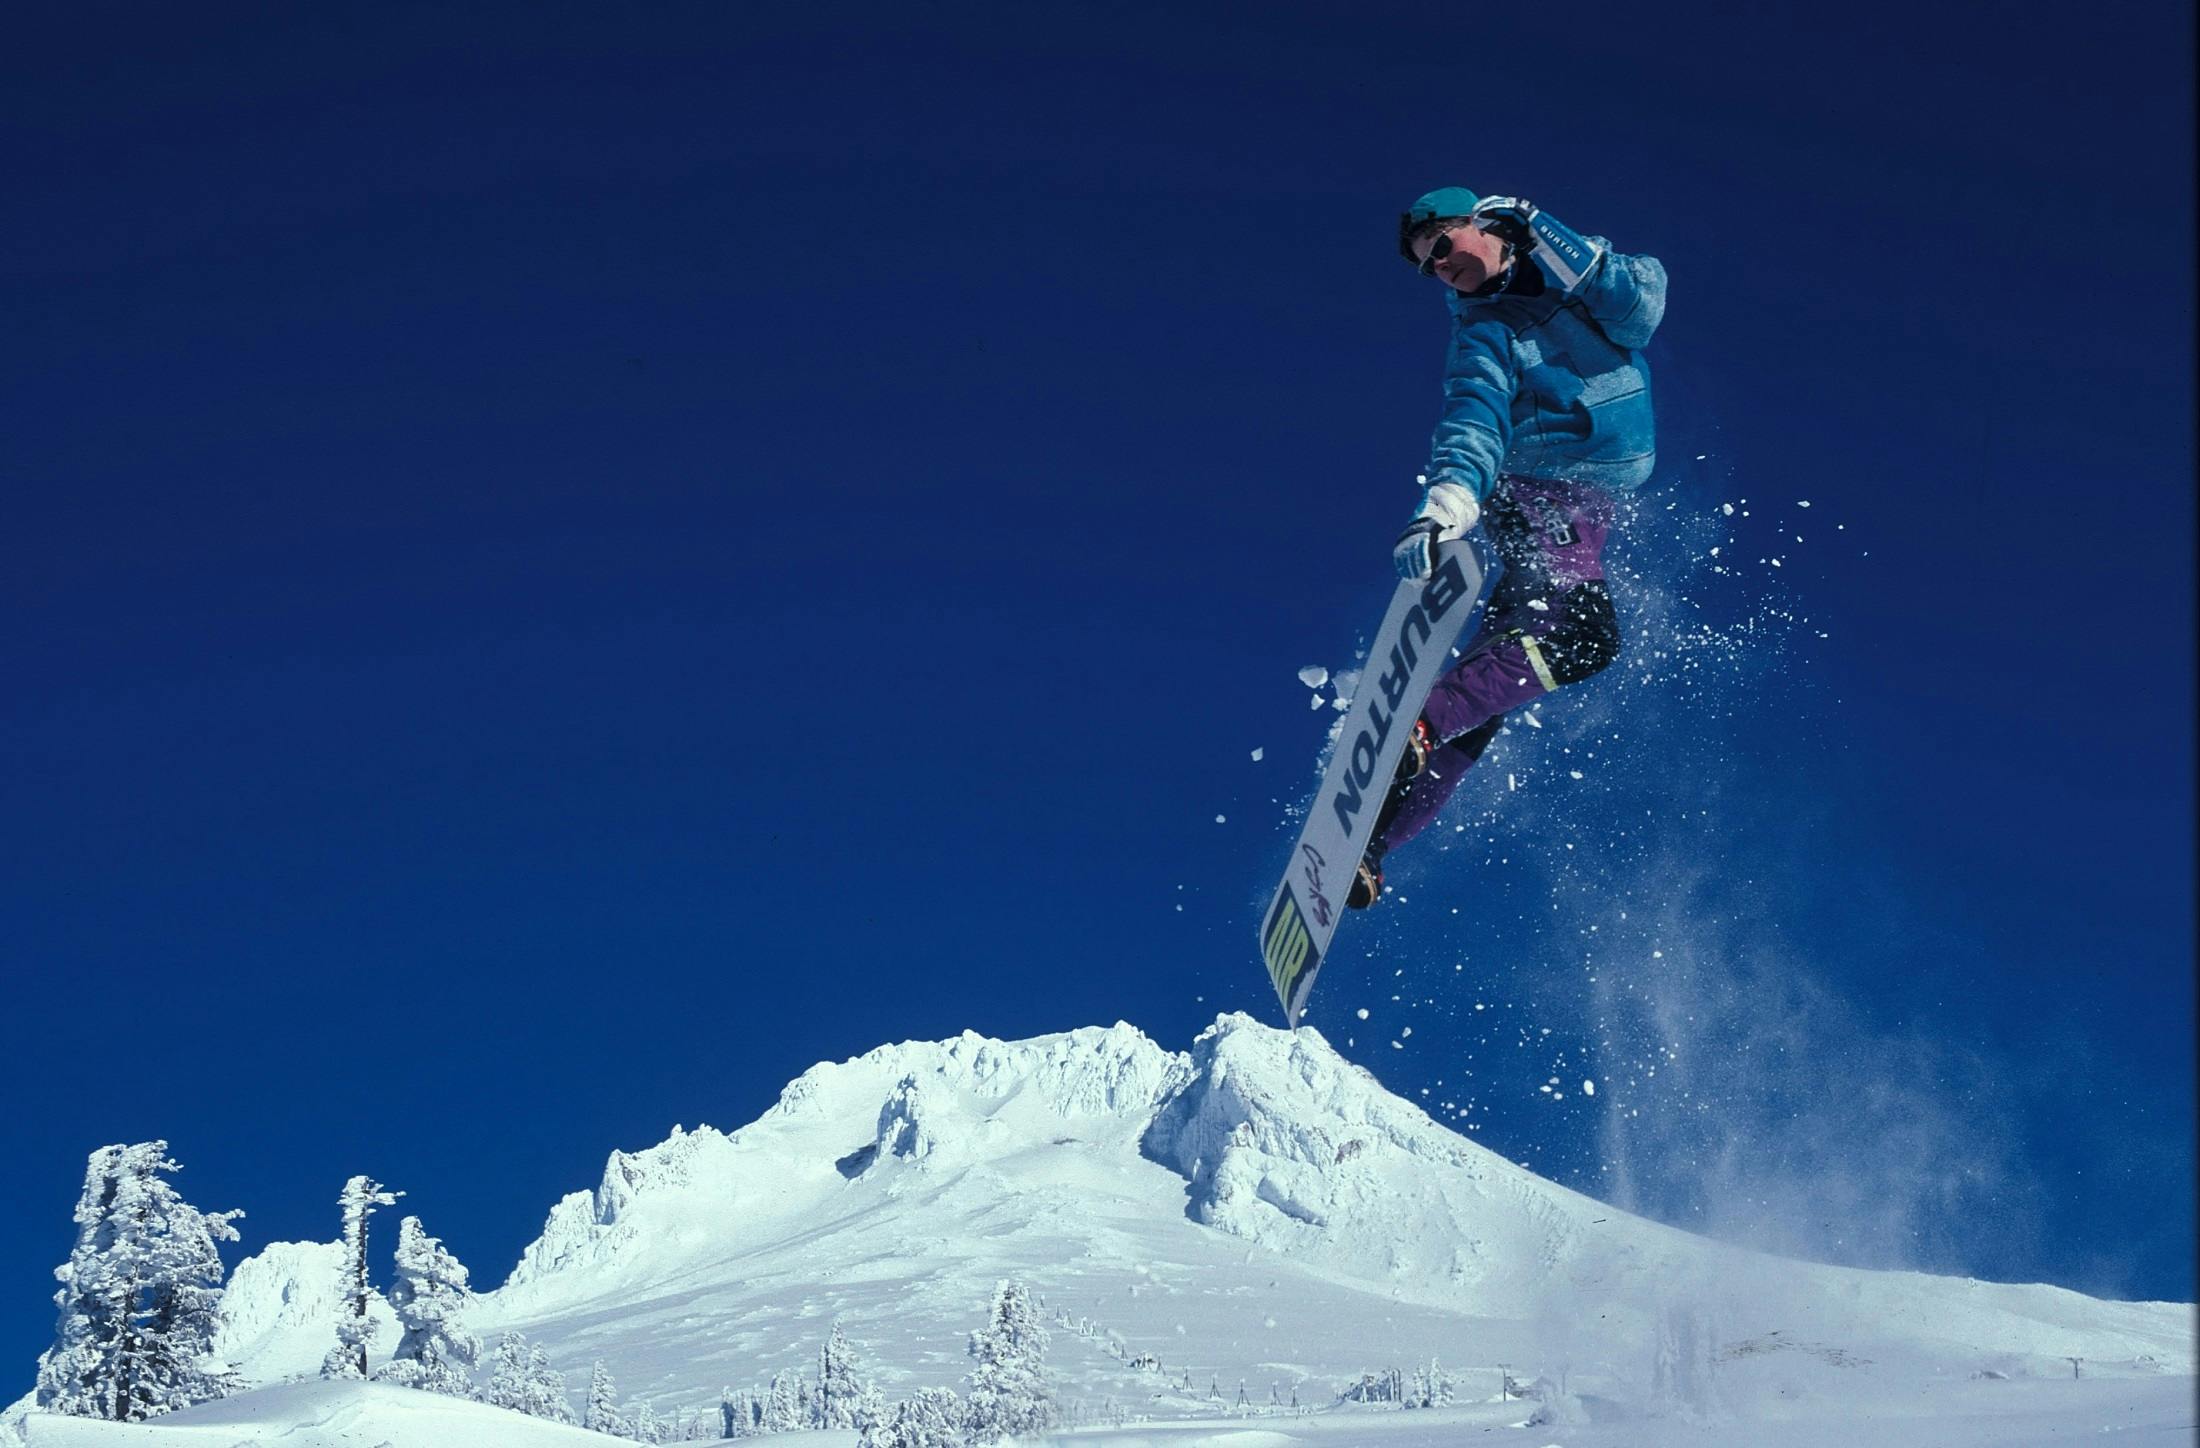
(1480, 378)
(1625, 296)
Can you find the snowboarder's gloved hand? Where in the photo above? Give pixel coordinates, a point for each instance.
(1565, 255)
(1447, 512)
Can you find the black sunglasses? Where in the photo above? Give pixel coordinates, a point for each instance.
(1442, 247)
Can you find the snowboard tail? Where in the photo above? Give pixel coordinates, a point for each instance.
(1410, 652)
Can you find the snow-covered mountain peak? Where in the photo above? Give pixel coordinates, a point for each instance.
(279, 1304)
(1289, 1145)
(932, 1104)
(671, 1163)
(1091, 1071)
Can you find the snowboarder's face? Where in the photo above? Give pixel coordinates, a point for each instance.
(1471, 257)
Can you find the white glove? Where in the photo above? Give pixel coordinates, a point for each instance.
(1566, 256)
(1448, 510)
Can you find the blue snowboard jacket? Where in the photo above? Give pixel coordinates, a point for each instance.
(1542, 385)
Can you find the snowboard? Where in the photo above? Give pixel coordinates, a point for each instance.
(1410, 651)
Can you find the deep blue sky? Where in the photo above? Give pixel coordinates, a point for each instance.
(564, 563)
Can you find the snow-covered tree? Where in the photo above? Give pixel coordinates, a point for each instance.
(138, 1294)
(524, 1381)
(933, 1418)
(1431, 1387)
(740, 1415)
(354, 1328)
(75, 1374)
(603, 1397)
(1387, 1386)
(642, 1425)
(428, 1295)
(1008, 1388)
(508, 1373)
(787, 1402)
(844, 1399)
(545, 1395)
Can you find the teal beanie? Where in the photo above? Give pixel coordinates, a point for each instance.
(1443, 201)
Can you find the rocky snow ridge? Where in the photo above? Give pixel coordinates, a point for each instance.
(280, 1308)
(955, 1101)
(1280, 1140)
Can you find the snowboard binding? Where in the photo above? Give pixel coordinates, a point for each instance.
(1420, 744)
(1367, 884)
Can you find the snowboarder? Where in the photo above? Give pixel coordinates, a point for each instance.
(1546, 416)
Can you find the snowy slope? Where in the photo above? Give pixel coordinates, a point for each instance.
(320, 1415)
(359, 1415)
(1260, 1216)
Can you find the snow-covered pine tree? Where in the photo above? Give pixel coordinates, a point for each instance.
(428, 1295)
(643, 1426)
(74, 1375)
(138, 1296)
(508, 1373)
(354, 1328)
(740, 1415)
(1008, 1388)
(545, 1395)
(786, 1403)
(870, 1409)
(842, 1394)
(933, 1418)
(603, 1397)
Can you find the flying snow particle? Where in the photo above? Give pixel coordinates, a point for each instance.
(1313, 676)
(1802, 502)
(1313, 701)
(1257, 754)
(1588, 1088)
(1575, 773)
(1533, 721)
(1512, 781)
(1361, 1013)
(1219, 819)
(1727, 508)
(1701, 456)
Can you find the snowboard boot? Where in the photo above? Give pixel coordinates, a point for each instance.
(1420, 744)
(1367, 883)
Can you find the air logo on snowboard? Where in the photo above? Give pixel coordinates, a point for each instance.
(1286, 943)
(1411, 649)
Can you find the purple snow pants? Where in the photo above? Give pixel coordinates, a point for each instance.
(1549, 623)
